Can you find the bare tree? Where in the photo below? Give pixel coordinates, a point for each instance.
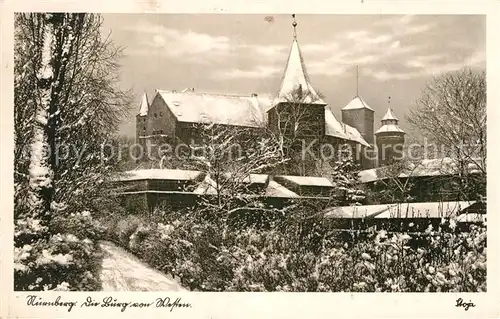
(452, 114)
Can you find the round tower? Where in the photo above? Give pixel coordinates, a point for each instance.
(390, 139)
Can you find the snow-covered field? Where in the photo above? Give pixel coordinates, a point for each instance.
(124, 272)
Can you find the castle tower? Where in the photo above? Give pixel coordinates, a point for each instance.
(298, 112)
(390, 139)
(358, 114)
(141, 119)
(297, 109)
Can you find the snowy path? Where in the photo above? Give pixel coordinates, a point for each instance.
(122, 271)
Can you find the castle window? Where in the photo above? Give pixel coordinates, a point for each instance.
(161, 114)
(156, 115)
(144, 129)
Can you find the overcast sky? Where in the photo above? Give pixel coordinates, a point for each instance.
(244, 54)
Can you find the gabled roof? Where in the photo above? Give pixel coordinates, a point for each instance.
(295, 77)
(143, 111)
(196, 107)
(357, 103)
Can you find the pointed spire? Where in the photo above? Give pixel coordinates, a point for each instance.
(390, 116)
(295, 77)
(143, 111)
(389, 123)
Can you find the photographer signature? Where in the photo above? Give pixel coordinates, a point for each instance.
(466, 305)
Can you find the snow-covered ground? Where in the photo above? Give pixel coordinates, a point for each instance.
(122, 271)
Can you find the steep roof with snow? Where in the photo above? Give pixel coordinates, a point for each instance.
(354, 135)
(389, 115)
(357, 103)
(335, 128)
(389, 123)
(295, 78)
(143, 110)
(196, 107)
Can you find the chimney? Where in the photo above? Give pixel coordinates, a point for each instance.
(174, 91)
(254, 95)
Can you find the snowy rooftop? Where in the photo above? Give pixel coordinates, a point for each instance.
(275, 189)
(295, 77)
(416, 210)
(335, 128)
(429, 167)
(355, 211)
(389, 115)
(254, 178)
(389, 128)
(400, 210)
(389, 123)
(307, 180)
(357, 103)
(159, 174)
(196, 107)
(354, 135)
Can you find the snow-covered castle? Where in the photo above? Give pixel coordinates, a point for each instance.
(172, 114)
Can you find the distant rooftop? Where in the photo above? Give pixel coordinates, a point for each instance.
(357, 103)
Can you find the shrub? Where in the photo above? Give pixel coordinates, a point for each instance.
(67, 258)
(194, 248)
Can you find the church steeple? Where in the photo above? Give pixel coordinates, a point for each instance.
(295, 78)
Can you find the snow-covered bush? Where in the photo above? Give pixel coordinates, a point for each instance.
(279, 259)
(46, 260)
